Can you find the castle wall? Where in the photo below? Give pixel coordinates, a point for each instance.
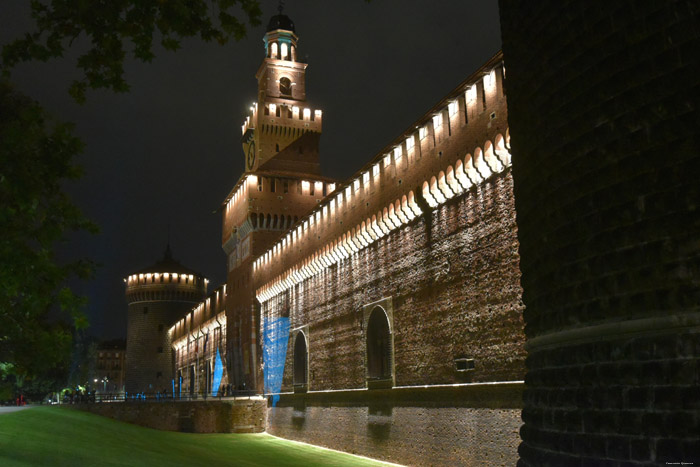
(452, 278)
(470, 425)
(211, 416)
(198, 340)
(454, 146)
(422, 239)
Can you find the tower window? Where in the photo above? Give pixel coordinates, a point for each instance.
(272, 180)
(160, 349)
(285, 86)
(277, 148)
(145, 310)
(286, 186)
(260, 183)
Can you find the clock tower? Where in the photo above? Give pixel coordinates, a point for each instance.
(281, 117)
(282, 183)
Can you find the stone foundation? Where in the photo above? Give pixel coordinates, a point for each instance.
(466, 425)
(217, 416)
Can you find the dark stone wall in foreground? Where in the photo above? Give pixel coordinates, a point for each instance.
(603, 113)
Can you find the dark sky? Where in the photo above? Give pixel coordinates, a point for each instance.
(168, 152)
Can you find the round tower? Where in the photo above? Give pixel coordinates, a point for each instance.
(157, 296)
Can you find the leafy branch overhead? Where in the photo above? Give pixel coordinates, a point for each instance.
(114, 28)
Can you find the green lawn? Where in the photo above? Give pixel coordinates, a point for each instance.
(56, 436)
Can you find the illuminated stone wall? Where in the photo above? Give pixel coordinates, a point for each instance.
(199, 348)
(475, 425)
(452, 278)
(427, 232)
(606, 157)
(156, 297)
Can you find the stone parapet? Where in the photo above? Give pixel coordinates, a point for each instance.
(213, 416)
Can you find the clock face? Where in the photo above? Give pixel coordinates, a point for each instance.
(251, 155)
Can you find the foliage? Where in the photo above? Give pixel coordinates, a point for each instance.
(112, 26)
(36, 306)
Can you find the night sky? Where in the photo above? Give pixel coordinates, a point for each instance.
(167, 153)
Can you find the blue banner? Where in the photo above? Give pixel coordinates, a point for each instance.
(276, 335)
(218, 373)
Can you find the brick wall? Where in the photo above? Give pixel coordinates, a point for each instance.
(471, 425)
(453, 280)
(603, 113)
(228, 416)
(149, 354)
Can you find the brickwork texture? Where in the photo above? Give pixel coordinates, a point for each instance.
(227, 416)
(603, 113)
(473, 425)
(452, 277)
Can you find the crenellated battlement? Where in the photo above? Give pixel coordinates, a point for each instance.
(276, 118)
(454, 147)
(204, 317)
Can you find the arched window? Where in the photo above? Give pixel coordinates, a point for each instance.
(301, 358)
(379, 348)
(285, 86)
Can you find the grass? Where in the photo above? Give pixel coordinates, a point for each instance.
(56, 436)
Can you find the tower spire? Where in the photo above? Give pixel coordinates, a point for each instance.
(280, 6)
(168, 252)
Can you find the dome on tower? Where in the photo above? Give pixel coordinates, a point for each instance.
(281, 22)
(168, 264)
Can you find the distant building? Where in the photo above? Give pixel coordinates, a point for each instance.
(110, 368)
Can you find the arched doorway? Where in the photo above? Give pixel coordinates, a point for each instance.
(301, 359)
(379, 348)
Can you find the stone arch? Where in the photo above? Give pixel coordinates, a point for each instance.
(460, 175)
(379, 346)
(500, 150)
(445, 189)
(428, 196)
(451, 180)
(480, 164)
(492, 161)
(300, 369)
(470, 171)
(413, 205)
(437, 194)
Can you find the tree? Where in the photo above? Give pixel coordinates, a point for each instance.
(37, 309)
(36, 159)
(110, 25)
